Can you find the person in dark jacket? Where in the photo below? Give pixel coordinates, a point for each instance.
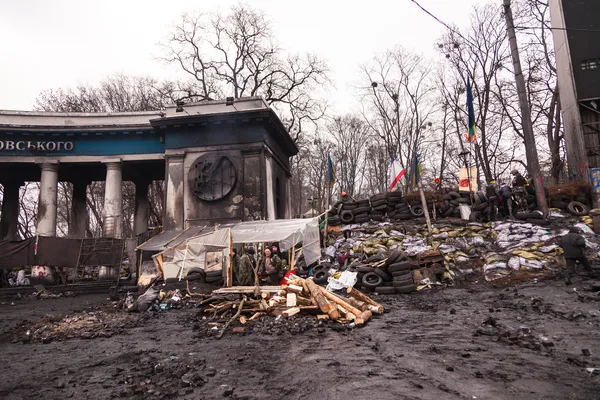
(235, 266)
(246, 268)
(573, 245)
(518, 179)
(506, 199)
(270, 268)
(493, 200)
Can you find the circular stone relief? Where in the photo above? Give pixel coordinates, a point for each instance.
(212, 176)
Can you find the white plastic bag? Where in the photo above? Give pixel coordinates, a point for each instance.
(346, 279)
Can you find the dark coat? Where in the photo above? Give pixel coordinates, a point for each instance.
(573, 245)
(505, 192)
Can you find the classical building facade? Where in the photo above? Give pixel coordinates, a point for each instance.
(222, 161)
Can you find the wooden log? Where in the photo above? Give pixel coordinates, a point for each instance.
(256, 316)
(295, 289)
(304, 301)
(363, 318)
(377, 308)
(309, 309)
(347, 314)
(340, 301)
(237, 314)
(243, 320)
(361, 305)
(322, 302)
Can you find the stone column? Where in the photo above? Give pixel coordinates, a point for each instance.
(79, 216)
(46, 225)
(113, 201)
(174, 193)
(142, 207)
(10, 210)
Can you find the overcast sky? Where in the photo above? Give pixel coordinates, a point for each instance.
(47, 44)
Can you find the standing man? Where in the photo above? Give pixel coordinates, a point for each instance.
(506, 199)
(573, 245)
(493, 199)
(246, 270)
(518, 179)
(235, 266)
(271, 267)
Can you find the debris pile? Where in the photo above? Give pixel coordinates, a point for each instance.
(300, 296)
(83, 325)
(455, 250)
(521, 336)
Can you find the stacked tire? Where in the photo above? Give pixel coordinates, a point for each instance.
(379, 206)
(361, 213)
(395, 276)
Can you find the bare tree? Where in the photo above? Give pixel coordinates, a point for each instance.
(399, 103)
(350, 133)
(541, 81)
(478, 54)
(235, 54)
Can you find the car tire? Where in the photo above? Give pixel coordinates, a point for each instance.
(578, 209)
(372, 280)
(320, 277)
(405, 289)
(385, 290)
(417, 211)
(347, 217)
(401, 266)
(382, 274)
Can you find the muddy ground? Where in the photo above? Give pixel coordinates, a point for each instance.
(481, 342)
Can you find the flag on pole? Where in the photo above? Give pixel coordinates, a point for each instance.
(396, 173)
(471, 111)
(418, 171)
(331, 171)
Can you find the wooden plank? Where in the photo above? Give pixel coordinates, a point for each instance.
(291, 300)
(291, 311)
(246, 290)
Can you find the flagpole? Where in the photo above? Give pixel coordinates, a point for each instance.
(422, 193)
(327, 215)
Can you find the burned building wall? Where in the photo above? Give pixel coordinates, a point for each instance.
(226, 170)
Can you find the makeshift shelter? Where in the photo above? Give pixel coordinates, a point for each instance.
(311, 213)
(146, 269)
(194, 253)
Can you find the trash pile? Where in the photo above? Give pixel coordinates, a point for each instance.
(81, 325)
(386, 256)
(155, 299)
(300, 296)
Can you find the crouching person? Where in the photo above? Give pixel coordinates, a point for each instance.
(573, 245)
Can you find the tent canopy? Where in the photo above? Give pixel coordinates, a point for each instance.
(167, 239)
(191, 253)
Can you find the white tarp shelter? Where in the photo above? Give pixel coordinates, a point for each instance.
(194, 253)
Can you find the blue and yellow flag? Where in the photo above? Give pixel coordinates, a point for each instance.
(471, 110)
(331, 171)
(417, 171)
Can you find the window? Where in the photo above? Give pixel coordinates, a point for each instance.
(590, 64)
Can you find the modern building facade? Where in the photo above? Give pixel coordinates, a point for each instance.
(222, 161)
(576, 32)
